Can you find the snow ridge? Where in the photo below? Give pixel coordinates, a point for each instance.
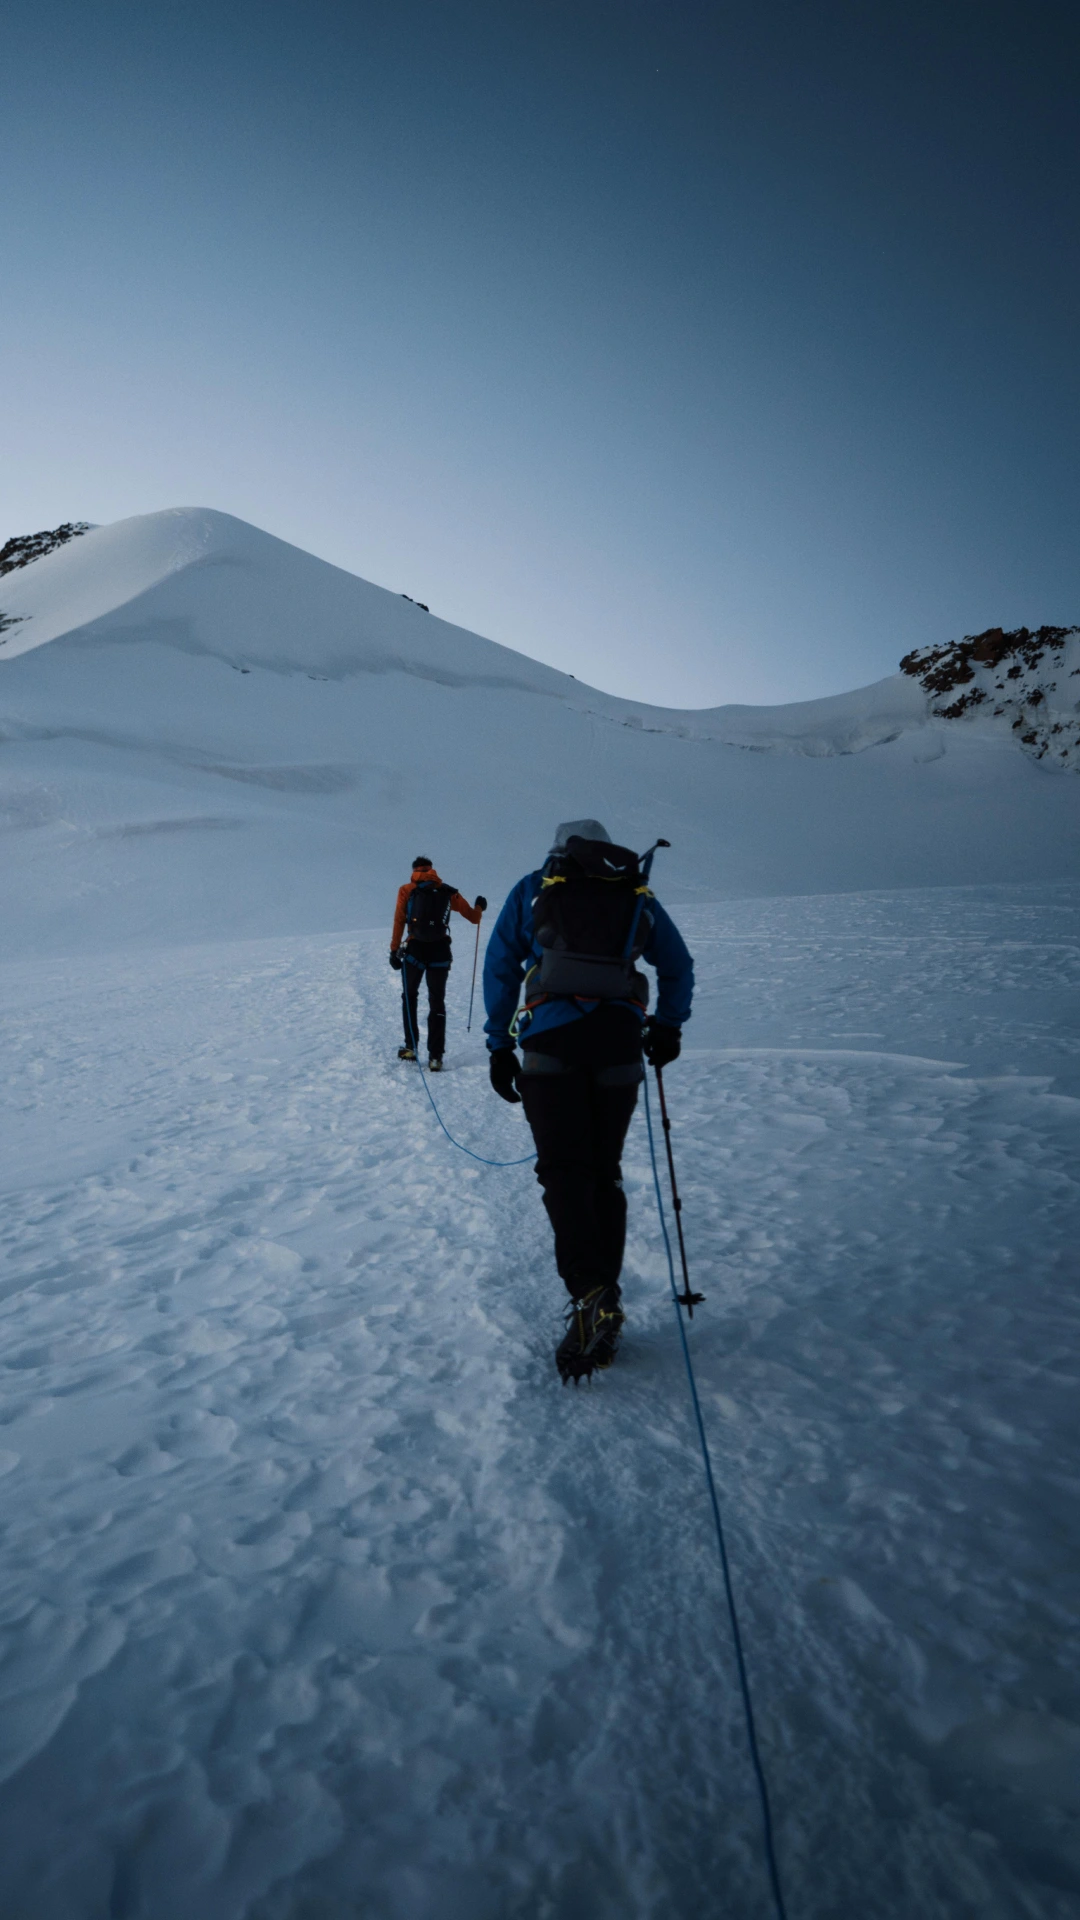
(206, 583)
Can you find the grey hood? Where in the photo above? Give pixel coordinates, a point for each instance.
(585, 830)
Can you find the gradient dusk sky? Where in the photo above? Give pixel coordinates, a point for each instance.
(710, 352)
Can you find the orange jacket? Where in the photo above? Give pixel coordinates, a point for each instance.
(457, 903)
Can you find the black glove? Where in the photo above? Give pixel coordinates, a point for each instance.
(395, 959)
(504, 1069)
(660, 1044)
(481, 903)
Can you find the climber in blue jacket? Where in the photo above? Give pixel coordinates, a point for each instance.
(572, 932)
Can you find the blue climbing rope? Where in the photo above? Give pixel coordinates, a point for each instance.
(740, 1662)
(459, 1144)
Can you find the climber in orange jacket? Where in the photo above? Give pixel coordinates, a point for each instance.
(421, 921)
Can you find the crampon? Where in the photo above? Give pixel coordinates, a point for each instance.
(591, 1341)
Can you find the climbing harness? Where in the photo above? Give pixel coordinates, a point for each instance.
(740, 1661)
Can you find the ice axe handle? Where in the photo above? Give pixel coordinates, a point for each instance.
(646, 859)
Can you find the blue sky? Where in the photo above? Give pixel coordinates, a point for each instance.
(710, 352)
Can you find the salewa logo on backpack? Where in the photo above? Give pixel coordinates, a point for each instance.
(591, 926)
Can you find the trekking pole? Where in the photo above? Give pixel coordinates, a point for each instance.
(685, 1298)
(472, 989)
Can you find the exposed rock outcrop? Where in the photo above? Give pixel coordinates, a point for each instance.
(1027, 680)
(24, 547)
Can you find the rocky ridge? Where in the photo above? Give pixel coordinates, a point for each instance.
(1022, 678)
(24, 547)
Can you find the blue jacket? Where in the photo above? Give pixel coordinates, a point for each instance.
(512, 949)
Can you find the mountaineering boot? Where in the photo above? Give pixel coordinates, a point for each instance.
(593, 1326)
(435, 1065)
(406, 1053)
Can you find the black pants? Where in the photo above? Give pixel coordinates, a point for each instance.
(412, 972)
(579, 1115)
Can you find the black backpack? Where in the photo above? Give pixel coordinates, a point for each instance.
(428, 913)
(592, 921)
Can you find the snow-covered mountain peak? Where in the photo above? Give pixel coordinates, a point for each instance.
(207, 583)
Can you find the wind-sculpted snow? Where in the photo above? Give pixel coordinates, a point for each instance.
(320, 1596)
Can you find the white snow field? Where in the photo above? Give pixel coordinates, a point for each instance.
(320, 1599)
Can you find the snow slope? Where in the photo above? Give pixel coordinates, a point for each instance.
(203, 730)
(320, 1599)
